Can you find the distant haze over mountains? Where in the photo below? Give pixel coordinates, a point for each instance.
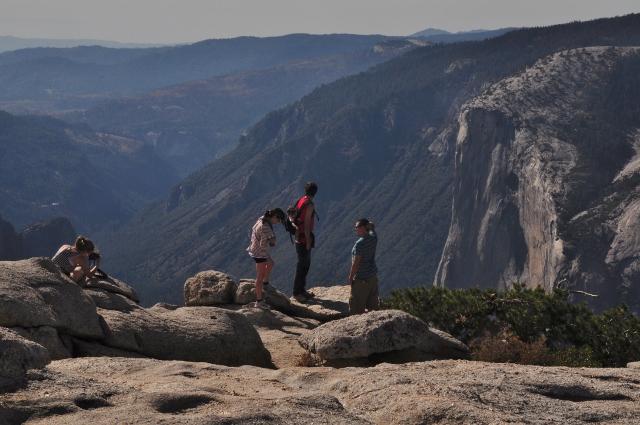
(8, 43)
(45, 79)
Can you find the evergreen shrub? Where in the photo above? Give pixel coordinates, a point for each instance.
(526, 326)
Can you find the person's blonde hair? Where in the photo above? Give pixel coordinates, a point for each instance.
(84, 245)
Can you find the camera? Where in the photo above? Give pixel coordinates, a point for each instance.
(94, 256)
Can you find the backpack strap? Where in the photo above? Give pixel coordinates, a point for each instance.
(302, 207)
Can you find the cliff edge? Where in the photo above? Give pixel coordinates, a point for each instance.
(546, 180)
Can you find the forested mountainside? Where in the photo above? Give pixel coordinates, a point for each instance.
(547, 180)
(81, 77)
(379, 145)
(81, 54)
(49, 168)
(192, 124)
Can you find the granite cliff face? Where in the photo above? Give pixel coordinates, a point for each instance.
(545, 189)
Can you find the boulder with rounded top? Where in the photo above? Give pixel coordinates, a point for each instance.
(209, 288)
(36, 293)
(366, 334)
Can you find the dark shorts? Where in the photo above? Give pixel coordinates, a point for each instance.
(259, 260)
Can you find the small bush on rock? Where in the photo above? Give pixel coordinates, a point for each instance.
(506, 347)
(308, 359)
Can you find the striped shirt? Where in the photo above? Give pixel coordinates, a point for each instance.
(365, 247)
(260, 239)
(63, 259)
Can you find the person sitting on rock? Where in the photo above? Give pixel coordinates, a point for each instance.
(262, 237)
(363, 276)
(73, 260)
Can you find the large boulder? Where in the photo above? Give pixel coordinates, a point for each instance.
(45, 238)
(200, 334)
(367, 334)
(19, 355)
(47, 337)
(209, 288)
(35, 293)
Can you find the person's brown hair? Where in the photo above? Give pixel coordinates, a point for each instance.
(276, 212)
(84, 245)
(310, 189)
(362, 222)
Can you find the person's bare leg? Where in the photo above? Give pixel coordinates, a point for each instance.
(268, 268)
(77, 275)
(260, 270)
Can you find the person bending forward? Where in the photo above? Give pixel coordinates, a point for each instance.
(73, 259)
(262, 237)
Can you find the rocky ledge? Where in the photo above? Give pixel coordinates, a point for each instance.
(126, 391)
(219, 360)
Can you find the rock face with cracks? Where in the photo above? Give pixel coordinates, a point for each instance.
(117, 390)
(521, 184)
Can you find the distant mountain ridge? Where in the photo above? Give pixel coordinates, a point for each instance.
(379, 144)
(9, 43)
(81, 77)
(428, 32)
(192, 124)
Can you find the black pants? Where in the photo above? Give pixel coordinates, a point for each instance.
(302, 268)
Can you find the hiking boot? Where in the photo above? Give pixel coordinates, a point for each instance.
(308, 294)
(300, 298)
(263, 305)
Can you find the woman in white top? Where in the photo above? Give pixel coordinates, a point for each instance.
(262, 237)
(73, 259)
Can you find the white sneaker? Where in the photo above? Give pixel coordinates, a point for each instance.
(263, 305)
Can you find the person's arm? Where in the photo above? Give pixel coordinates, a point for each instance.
(95, 268)
(354, 268)
(307, 225)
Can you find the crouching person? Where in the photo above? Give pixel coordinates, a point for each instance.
(73, 260)
(363, 276)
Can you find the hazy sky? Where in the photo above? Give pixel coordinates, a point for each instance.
(176, 21)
